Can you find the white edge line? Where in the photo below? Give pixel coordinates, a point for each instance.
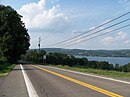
(30, 88)
(111, 79)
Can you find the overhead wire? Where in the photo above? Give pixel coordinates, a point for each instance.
(70, 39)
(99, 31)
(108, 32)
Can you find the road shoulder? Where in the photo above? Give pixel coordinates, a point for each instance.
(13, 85)
(122, 80)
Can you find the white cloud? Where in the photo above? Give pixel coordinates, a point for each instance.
(121, 35)
(127, 42)
(38, 18)
(117, 38)
(108, 40)
(123, 1)
(75, 31)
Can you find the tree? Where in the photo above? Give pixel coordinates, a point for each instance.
(33, 56)
(14, 39)
(117, 67)
(125, 68)
(128, 67)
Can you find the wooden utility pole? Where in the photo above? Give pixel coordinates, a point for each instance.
(39, 43)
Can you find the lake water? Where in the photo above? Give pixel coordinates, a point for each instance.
(112, 60)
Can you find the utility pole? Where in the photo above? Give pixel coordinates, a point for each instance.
(39, 43)
(43, 57)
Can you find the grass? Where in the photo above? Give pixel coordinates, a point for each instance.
(106, 73)
(5, 69)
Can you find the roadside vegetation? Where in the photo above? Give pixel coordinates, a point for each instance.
(14, 39)
(106, 73)
(5, 69)
(78, 64)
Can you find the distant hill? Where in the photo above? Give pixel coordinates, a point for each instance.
(100, 53)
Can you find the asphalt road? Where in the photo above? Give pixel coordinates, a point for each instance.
(13, 85)
(50, 82)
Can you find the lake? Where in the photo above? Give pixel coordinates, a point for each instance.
(112, 60)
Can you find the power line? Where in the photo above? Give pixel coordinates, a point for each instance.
(90, 30)
(108, 32)
(99, 30)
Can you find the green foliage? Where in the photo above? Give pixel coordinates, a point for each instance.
(64, 59)
(71, 61)
(34, 56)
(117, 67)
(58, 58)
(101, 53)
(3, 59)
(5, 68)
(125, 68)
(14, 39)
(110, 73)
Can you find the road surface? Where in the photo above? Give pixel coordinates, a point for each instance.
(51, 82)
(48, 84)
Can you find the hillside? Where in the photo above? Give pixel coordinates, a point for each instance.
(101, 53)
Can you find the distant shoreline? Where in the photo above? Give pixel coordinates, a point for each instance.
(113, 60)
(98, 53)
(103, 56)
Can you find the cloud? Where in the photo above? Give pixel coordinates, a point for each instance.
(123, 1)
(127, 42)
(38, 18)
(117, 38)
(108, 40)
(121, 35)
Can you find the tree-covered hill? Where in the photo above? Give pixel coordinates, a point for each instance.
(100, 53)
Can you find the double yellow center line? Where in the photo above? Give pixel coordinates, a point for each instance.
(108, 93)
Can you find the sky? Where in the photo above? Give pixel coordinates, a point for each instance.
(58, 20)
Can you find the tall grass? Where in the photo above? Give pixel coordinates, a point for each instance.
(5, 69)
(107, 73)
